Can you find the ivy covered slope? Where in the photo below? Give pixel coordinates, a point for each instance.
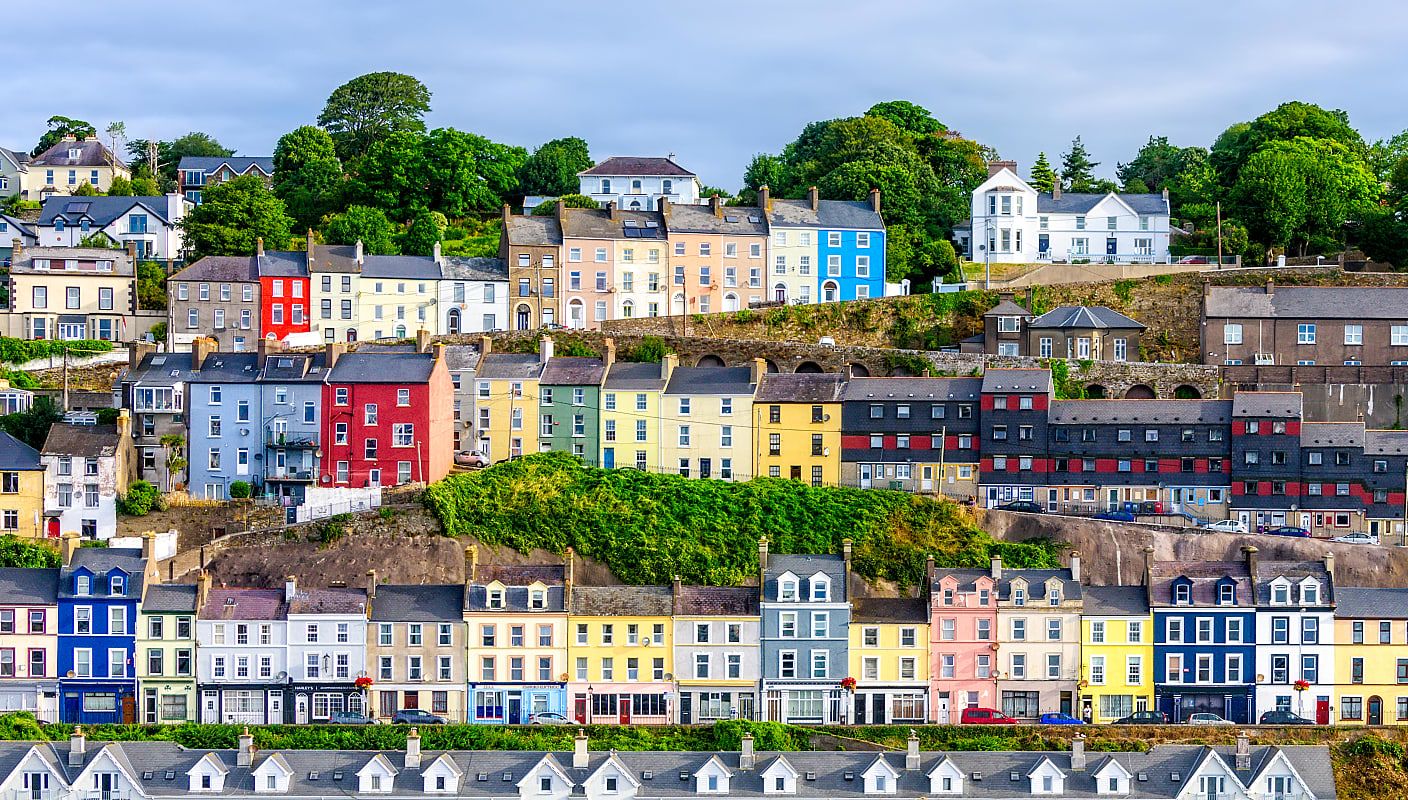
(648, 528)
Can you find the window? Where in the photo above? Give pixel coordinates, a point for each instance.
(1354, 334)
(1305, 333)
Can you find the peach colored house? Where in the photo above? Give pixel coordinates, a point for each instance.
(611, 257)
(962, 641)
(716, 253)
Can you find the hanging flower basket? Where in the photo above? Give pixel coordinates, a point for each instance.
(848, 683)
(1302, 685)
(362, 682)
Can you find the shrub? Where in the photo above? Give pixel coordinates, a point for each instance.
(1370, 746)
(141, 497)
(1124, 289)
(650, 348)
(18, 351)
(17, 552)
(240, 490)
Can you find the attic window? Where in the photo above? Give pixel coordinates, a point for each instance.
(684, 776)
(337, 776)
(730, 218)
(1143, 776)
(158, 361)
(1175, 777)
(977, 776)
(811, 776)
(1014, 775)
(848, 776)
(647, 775)
(754, 218)
(508, 776)
(171, 775)
(483, 776)
(312, 776)
(146, 776)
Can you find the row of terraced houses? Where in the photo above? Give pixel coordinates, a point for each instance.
(103, 640)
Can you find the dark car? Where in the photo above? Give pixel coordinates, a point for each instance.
(985, 716)
(1289, 530)
(1283, 718)
(349, 718)
(415, 716)
(1025, 506)
(1143, 718)
(1058, 718)
(1116, 516)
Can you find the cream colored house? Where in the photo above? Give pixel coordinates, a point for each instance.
(1038, 621)
(416, 649)
(72, 293)
(67, 165)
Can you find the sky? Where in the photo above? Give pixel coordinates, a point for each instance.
(714, 82)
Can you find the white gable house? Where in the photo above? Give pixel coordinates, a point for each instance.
(1014, 223)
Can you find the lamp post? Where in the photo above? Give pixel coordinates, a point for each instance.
(988, 229)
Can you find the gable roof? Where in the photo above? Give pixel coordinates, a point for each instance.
(1371, 603)
(1140, 411)
(1115, 601)
(478, 268)
(221, 268)
(533, 231)
(92, 153)
(1098, 317)
(635, 375)
(328, 601)
(239, 164)
(848, 214)
(731, 601)
(737, 220)
(1267, 404)
(710, 380)
(572, 371)
(20, 226)
(1306, 302)
(383, 368)
(423, 603)
(101, 561)
(638, 165)
(412, 268)
(101, 210)
(29, 585)
(1081, 202)
(509, 367)
(607, 601)
(1007, 308)
(912, 388)
(1017, 380)
(244, 604)
(799, 387)
(169, 598)
(17, 455)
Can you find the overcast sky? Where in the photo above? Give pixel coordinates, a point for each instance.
(712, 82)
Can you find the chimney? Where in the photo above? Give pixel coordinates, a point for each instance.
(68, 545)
(413, 748)
(765, 199)
(137, 352)
(1056, 191)
(1075, 566)
(846, 553)
(561, 213)
(675, 588)
(422, 341)
(848, 371)
(875, 200)
(202, 588)
(996, 567)
(437, 351)
(16, 250)
(68, 137)
(359, 252)
(911, 752)
(579, 750)
(332, 352)
(201, 348)
(612, 211)
(371, 584)
(259, 246)
(570, 573)
(471, 563)
(762, 555)
(715, 206)
(507, 215)
(1330, 566)
(1005, 296)
(486, 346)
(1250, 551)
(124, 423)
(746, 759)
(1165, 194)
(608, 356)
(929, 570)
(667, 366)
(267, 346)
(132, 252)
(246, 753)
(77, 747)
(812, 197)
(435, 252)
(663, 206)
(1078, 753)
(311, 245)
(1207, 287)
(290, 588)
(1149, 572)
(1243, 755)
(544, 349)
(760, 368)
(149, 546)
(1271, 286)
(995, 167)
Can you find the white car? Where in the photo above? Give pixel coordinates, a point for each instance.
(1207, 719)
(1357, 537)
(1227, 526)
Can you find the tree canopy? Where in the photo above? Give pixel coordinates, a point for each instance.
(366, 225)
(308, 175)
(232, 215)
(170, 153)
(371, 106)
(568, 200)
(446, 170)
(59, 127)
(1077, 168)
(552, 169)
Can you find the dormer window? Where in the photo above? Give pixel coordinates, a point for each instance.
(75, 153)
(1053, 594)
(610, 784)
(82, 585)
(880, 783)
(821, 590)
(1281, 594)
(495, 598)
(1310, 594)
(538, 599)
(1182, 594)
(1019, 596)
(1225, 595)
(787, 590)
(117, 584)
(545, 784)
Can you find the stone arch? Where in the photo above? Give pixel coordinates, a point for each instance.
(710, 360)
(1140, 391)
(859, 370)
(809, 367)
(1186, 392)
(772, 365)
(1096, 392)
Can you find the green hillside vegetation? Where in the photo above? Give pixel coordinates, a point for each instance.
(649, 528)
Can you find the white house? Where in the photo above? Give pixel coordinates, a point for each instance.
(86, 468)
(1014, 223)
(327, 651)
(636, 183)
(148, 222)
(13, 165)
(241, 655)
(1295, 618)
(473, 294)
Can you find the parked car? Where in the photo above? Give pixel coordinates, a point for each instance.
(548, 718)
(1207, 719)
(471, 458)
(1227, 526)
(1283, 718)
(1058, 718)
(1116, 516)
(1288, 530)
(1144, 718)
(1025, 506)
(1194, 260)
(985, 716)
(416, 716)
(349, 718)
(1358, 537)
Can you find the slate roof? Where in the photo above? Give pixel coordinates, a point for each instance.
(410, 268)
(1007, 308)
(284, 264)
(20, 585)
(846, 214)
(89, 441)
(1385, 443)
(521, 574)
(1205, 577)
(328, 601)
(637, 165)
(17, 156)
(1081, 202)
(533, 231)
(244, 604)
(890, 609)
(16, 455)
(101, 561)
(634, 376)
(1267, 404)
(1306, 302)
(1016, 380)
(1113, 601)
(711, 380)
(967, 578)
(1332, 434)
(173, 598)
(155, 370)
(239, 164)
(1353, 602)
(731, 220)
(102, 209)
(294, 367)
(227, 368)
(1141, 411)
(509, 367)
(461, 357)
(607, 601)
(596, 223)
(572, 371)
(516, 599)
(221, 268)
(93, 154)
(1098, 317)
(721, 601)
(1070, 590)
(422, 603)
(473, 269)
(912, 389)
(20, 226)
(382, 368)
(799, 387)
(333, 258)
(121, 264)
(1268, 570)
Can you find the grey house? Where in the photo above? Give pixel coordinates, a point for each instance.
(153, 387)
(806, 615)
(218, 296)
(290, 419)
(1093, 333)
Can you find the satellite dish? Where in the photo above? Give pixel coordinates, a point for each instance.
(281, 676)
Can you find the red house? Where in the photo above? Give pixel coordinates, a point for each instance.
(387, 418)
(283, 292)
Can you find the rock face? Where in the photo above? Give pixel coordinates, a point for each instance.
(1112, 552)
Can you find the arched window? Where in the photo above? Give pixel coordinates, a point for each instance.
(452, 321)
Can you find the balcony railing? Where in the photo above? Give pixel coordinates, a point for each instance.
(294, 441)
(290, 475)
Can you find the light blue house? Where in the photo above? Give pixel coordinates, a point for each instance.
(225, 433)
(99, 589)
(806, 614)
(824, 250)
(290, 400)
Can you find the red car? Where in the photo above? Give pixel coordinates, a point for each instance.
(985, 716)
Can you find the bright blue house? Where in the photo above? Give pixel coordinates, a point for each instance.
(825, 250)
(1204, 639)
(99, 589)
(223, 400)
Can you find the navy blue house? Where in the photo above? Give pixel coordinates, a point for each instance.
(99, 589)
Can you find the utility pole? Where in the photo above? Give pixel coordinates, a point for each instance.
(1219, 234)
(65, 354)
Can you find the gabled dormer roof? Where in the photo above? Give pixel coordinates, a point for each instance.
(881, 764)
(378, 763)
(1045, 764)
(778, 764)
(444, 761)
(208, 763)
(549, 761)
(619, 767)
(274, 762)
(714, 763)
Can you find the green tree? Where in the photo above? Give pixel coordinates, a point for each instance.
(465, 173)
(365, 224)
(389, 175)
(140, 497)
(1077, 170)
(569, 200)
(32, 426)
(425, 231)
(170, 153)
(151, 285)
(85, 189)
(116, 130)
(1135, 186)
(175, 446)
(552, 169)
(907, 116)
(27, 553)
(1235, 147)
(232, 215)
(307, 175)
(1043, 177)
(121, 187)
(371, 106)
(145, 187)
(1153, 166)
(59, 127)
(1383, 236)
(1298, 194)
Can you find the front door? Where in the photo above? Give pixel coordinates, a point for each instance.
(106, 784)
(1376, 711)
(865, 476)
(608, 457)
(1322, 711)
(515, 709)
(860, 708)
(1043, 243)
(625, 709)
(877, 710)
(705, 468)
(1066, 703)
(686, 708)
(53, 527)
(579, 709)
(149, 707)
(926, 479)
(300, 710)
(1111, 246)
(942, 709)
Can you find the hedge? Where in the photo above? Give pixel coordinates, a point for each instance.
(649, 528)
(18, 351)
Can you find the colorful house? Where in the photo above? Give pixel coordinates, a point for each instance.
(621, 654)
(327, 652)
(286, 303)
(889, 658)
(1295, 658)
(706, 420)
(21, 489)
(99, 592)
(532, 246)
(828, 249)
(516, 623)
(506, 399)
(416, 649)
(290, 427)
(716, 652)
(1371, 657)
(242, 651)
(806, 617)
(714, 252)
(963, 646)
(29, 641)
(1117, 653)
(569, 402)
(166, 653)
(797, 427)
(1038, 616)
(630, 409)
(224, 432)
(912, 433)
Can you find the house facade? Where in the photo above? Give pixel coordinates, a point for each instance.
(532, 247)
(472, 294)
(198, 172)
(797, 427)
(621, 653)
(963, 647)
(1117, 653)
(714, 249)
(506, 399)
(69, 163)
(806, 617)
(22, 490)
(149, 226)
(327, 652)
(225, 433)
(1371, 657)
(166, 654)
(29, 624)
(72, 293)
(630, 409)
(154, 387)
(516, 626)
(706, 420)
(918, 434)
(1304, 325)
(716, 652)
(242, 649)
(1088, 333)
(638, 183)
(99, 592)
(569, 399)
(1295, 623)
(217, 297)
(1038, 615)
(416, 649)
(87, 467)
(889, 658)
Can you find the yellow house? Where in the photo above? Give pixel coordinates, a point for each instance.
(71, 293)
(335, 289)
(620, 654)
(1371, 657)
(29, 624)
(506, 400)
(705, 421)
(166, 652)
(21, 489)
(68, 164)
(630, 408)
(889, 659)
(797, 427)
(1117, 653)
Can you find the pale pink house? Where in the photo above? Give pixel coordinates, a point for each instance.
(962, 641)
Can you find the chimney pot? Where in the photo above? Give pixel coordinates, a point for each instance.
(545, 349)
(911, 753)
(77, 747)
(580, 759)
(875, 200)
(747, 760)
(371, 584)
(290, 588)
(1075, 566)
(259, 246)
(765, 199)
(413, 749)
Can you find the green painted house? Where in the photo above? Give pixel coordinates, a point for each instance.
(568, 405)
